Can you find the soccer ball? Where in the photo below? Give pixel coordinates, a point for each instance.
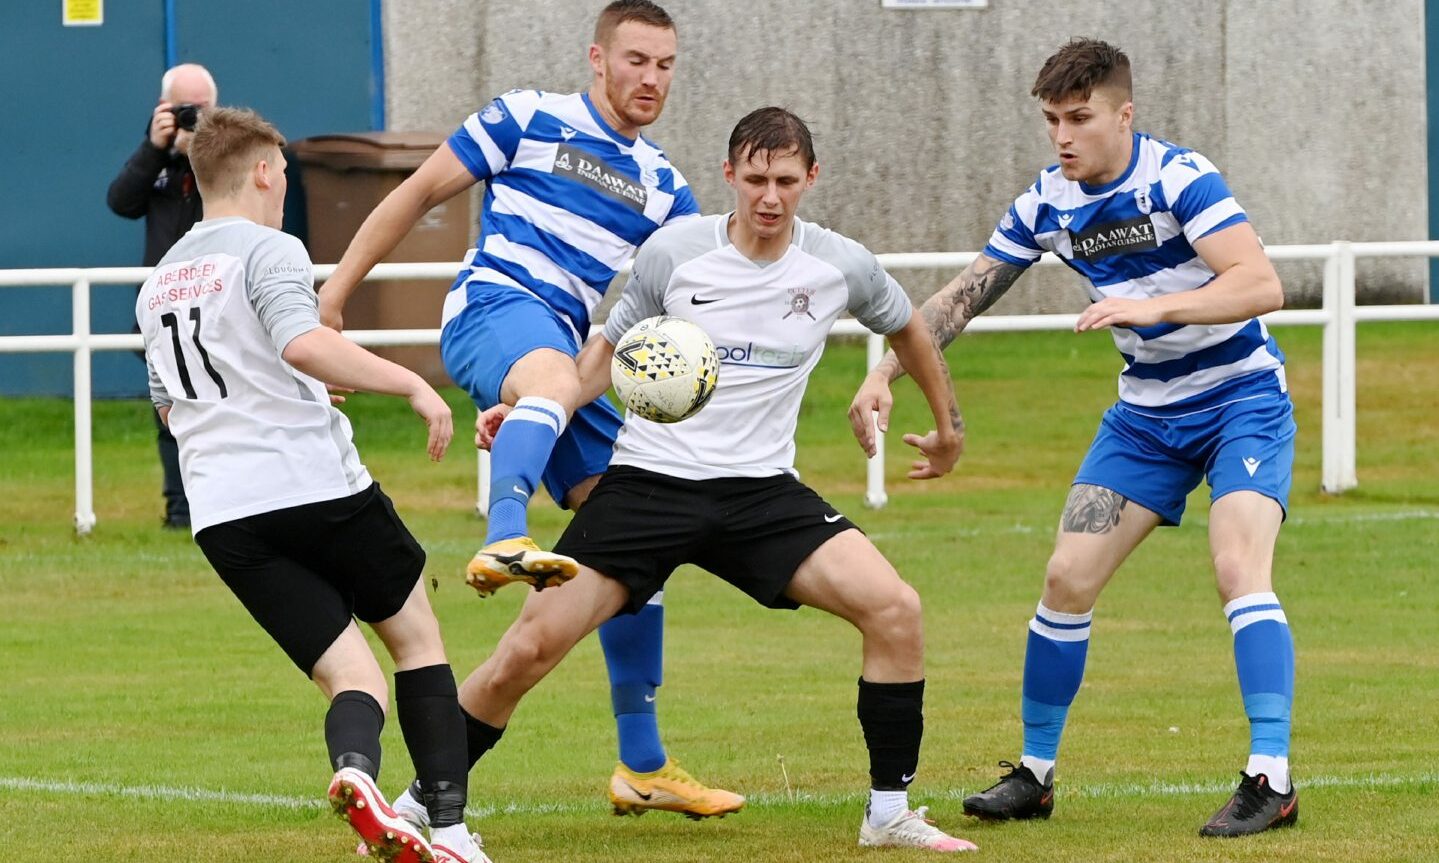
(665, 369)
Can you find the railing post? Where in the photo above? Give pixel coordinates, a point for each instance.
(874, 493)
(1338, 433)
(84, 454)
(1348, 369)
(482, 484)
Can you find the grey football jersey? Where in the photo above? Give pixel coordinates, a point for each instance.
(255, 433)
(769, 322)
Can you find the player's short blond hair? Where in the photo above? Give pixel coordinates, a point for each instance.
(227, 144)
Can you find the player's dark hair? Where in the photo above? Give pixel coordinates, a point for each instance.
(1079, 68)
(226, 145)
(774, 131)
(621, 11)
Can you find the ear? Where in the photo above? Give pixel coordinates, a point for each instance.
(813, 175)
(597, 60)
(1126, 116)
(262, 175)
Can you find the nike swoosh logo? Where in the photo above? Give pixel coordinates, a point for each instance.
(517, 490)
(699, 302)
(907, 779)
(649, 698)
(831, 519)
(638, 793)
(1288, 807)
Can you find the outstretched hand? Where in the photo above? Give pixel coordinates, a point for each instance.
(940, 454)
(436, 414)
(487, 425)
(337, 393)
(870, 410)
(1118, 312)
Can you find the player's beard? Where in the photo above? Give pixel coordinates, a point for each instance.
(633, 114)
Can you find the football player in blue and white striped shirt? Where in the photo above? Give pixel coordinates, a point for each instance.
(571, 189)
(1177, 274)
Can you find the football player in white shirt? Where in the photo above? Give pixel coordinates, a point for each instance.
(1178, 276)
(572, 186)
(281, 505)
(719, 490)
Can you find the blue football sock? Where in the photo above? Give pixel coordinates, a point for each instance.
(634, 654)
(517, 459)
(1053, 669)
(1264, 658)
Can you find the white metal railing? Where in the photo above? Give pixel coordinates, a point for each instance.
(1338, 316)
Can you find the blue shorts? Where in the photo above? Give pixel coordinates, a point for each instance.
(497, 327)
(1156, 462)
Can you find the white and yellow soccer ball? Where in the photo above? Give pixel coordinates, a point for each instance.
(665, 369)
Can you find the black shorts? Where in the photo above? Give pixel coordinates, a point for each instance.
(302, 572)
(638, 526)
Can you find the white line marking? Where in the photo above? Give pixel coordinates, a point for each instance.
(1293, 521)
(765, 799)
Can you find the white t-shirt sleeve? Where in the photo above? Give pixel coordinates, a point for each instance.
(280, 283)
(875, 298)
(644, 293)
(158, 394)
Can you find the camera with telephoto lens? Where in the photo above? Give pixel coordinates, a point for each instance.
(186, 116)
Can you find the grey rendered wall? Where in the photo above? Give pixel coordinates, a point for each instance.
(925, 128)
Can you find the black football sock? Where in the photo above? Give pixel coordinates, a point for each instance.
(429, 712)
(352, 731)
(892, 718)
(480, 737)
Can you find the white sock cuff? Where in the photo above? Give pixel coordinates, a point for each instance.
(1252, 608)
(539, 410)
(1059, 626)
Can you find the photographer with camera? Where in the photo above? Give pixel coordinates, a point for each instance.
(157, 184)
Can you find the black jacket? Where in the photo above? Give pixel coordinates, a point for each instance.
(159, 185)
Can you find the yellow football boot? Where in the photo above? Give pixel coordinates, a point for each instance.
(670, 789)
(517, 560)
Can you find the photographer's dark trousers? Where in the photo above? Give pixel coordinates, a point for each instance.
(177, 506)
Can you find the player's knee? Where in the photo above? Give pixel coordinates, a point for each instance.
(897, 615)
(1065, 586)
(1237, 574)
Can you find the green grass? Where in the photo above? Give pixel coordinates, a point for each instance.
(129, 672)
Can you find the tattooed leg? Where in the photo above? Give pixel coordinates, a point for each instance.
(1092, 509)
(1098, 530)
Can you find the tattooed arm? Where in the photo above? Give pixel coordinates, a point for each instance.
(951, 309)
(945, 315)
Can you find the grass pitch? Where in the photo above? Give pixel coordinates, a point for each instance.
(146, 717)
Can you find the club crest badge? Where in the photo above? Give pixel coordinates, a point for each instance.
(799, 303)
(493, 113)
(1141, 200)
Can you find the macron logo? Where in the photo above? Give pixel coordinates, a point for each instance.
(1065, 219)
(566, 132)
(1251, 464)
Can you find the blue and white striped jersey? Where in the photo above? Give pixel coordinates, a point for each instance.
(567, 200)
(1134, 238)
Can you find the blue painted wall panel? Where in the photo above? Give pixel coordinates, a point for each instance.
(77, 101)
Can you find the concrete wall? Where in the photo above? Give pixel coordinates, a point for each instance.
(925, 127)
